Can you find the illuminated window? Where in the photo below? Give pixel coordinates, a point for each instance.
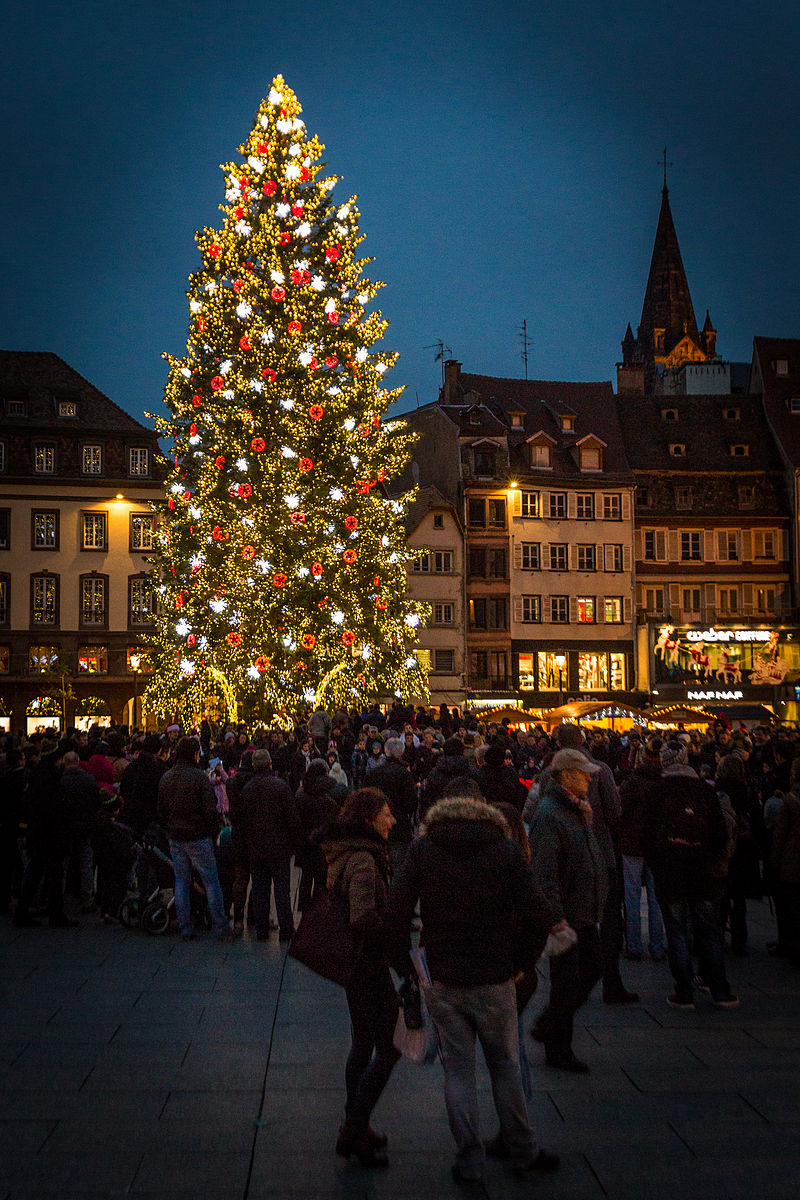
(586, 610)
(42, 659)
(592, 672)
(141, 601)
(587, 558)
(552, 668)
(93, 659)
(44, 459)
(527, 681)
(497, 513)
(93, 599)
(612, 610)
(669, 414)
(781, 366)
(585, 502)
(143, 527)
(147, 667)
(44, 530)
(530, 504)
(138, 461)
(531, 609)
(92, 460)
(677, 449)
(5, 528)
(44, 599)
(94, 530)
(67, 408)
(567, 423)
(618, 672)
(5, 660)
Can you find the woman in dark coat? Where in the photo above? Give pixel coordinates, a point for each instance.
(356, 849)
(318, 801)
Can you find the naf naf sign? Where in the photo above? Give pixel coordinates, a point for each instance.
(729, 695)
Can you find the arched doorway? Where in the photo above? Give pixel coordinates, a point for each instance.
(91, 710)
(43, 712)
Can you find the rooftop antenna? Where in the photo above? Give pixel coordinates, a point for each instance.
(527, 345)
(441, 350)
(662, 162)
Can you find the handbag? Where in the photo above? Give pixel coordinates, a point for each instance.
(326, 942)
(415, 1034)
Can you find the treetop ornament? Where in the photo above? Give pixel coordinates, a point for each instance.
(277, 405)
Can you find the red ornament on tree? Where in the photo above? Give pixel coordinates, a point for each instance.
(279, 580)
(191, 640)
(316, 569)
(219, 462)
(196, 401)
(245, 491)
(376, 580)
(217, 383)
(349, 557)
(201, 324)
(217, 534)
(295, 327)
(323, 603)
(333, 317)
(192, 430)
(270, 187)
(306, 465)
(244, 343)
(278, 293)
(381, 604)
(308, 641)
(348, 637)
(248, 553)
(258, 445)
(298, 518)
(332, 254)
(262, 663)
(351, 523)
(297, 208)
(233, 639)
(269, 375)
(305, 174)
(331, 360)
(214, 250)
(284, 239)
(315, 412)
(262, 148)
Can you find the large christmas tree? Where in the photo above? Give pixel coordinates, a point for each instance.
(281, 563)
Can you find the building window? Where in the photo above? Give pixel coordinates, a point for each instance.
(489, 669)
(94, 531)
(612, 610)
(44, 599)
(586, 610)
(531, 556)
(643, 497)
(141, 601)
(557, 506)
(781, 366)
(552, 671)
(94, 591)
(44, 530)
(591, 458)
(613, 557)
(42, 659)
(497, 513)
(444, 661)
(44, 459)
(559, 610)
(740, 450)
(612, 508)
(764, 542)
(484, 461)
(587, 558)
(691, 602)
(138, 461)
(617, 673)
(765, 601)
(746, 496)
(540, 456)
(527, 680)
(67, 408)
(690, 546)
(438, 562)
(731, 414)
(654, 601)
(93, 660)
(438, 522)
(5, 599)
(567, 423)
(669, 414)
(655, 545)
(516, 420)
(794, 405)
(558, 556)
(487, 563)
(531, 609)
(443, 613)
(677, 449)
(2, 457)
(476, 512)
(585, 502)
(728, 545)
(683, 497)
(592, 672)
(92, 460)
(5, 660)
(5, 528)
(530, 504)
(728, 601)
(488, 612)
(16, 408)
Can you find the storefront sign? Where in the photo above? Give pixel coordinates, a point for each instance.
(728, 635)
(715, 695)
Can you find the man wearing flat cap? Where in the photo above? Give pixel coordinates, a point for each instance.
(570, 867)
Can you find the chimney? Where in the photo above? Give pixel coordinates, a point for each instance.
(451, 392)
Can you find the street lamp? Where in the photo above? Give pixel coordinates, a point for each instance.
(135, 660)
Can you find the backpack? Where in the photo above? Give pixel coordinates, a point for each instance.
(685, 826)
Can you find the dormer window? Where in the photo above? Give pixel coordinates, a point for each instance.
(474, 416)
(484, 460)
(517, 419)
(669, 414)
(540, 455)
(741, 450)
(780, 366)
(15, 408)
(731, 414)
(794, 405)
(591, 458)
(67, 408)
(567, 423)
(677, 449)
(746, 496)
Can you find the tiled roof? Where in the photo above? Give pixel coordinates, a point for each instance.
(779, 390)
(35, 375)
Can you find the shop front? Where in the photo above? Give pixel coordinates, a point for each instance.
(546, 673)
(739, 669)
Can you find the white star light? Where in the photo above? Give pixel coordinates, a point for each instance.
(349, 424)
(288, 452)
(257, 385)
(302, 572)
(343, 212)
(361, 354)
(243, 228)
(283, 126)
(195, 440)
(336, 493)
(256, 164)
(195, 513)
(380, 368)
(318, 283)
(281, 210)
(355, 460)
(229, 395)
(218, 606)
(291, 501)
(339, 547)
(304, 358)
(202, 644)
(187, 666)
(292, 171)
(363, 298)
(211, 287)
(288, 404)
(337, 617)
(303, 230)
(254, 672)
(182, 628)
(294, 150)
(309, 695)
(225, 366)
(365, 652)
(268, 336)
(334, 391)
(243, 310)
(330, 305)
(341, 230)
(196, 562)
(263, 565)
(412, 620)
(411, 662)
(277, 276)
(241, 464)
(275, 99)
(176, 487)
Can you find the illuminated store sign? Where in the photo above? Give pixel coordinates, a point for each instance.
(715, 695)
(728, 635)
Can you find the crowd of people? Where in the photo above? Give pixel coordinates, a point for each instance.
(498, 845)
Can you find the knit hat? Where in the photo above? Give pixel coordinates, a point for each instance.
(674, 754)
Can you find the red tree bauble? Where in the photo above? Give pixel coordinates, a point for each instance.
(233, 639)
(297, 208)
(348, 637)
(219, 462)
(278, 293)
(298, 518)
(269, 375)
(308, 641)
(349, 557)
(316, 569)
(237, 285)
(262, 663)
(315, 412)
(284, 239)
(244, 342)
(258, 445)
(201, 324)
(214, 250)
(244, 491)
(196, 401)
(305, 174)
(279, 579)
(217, 534)
(248, 553)
(192, 430)
(333, 317)
(332, 254)
(306, 465)
(331, 360)
(381, 604)
(295, 327)
(191, 640)
(270, 187)
(217, 383)
(351, 523)
(262, 148)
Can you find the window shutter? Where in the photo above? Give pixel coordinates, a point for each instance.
(674, 598)
(572, 506)
(547, 616)
(516, 503)
(572, 554)
(784, 543)
(722, 545)
(626, 506)
(747, 599)
(673, 545)
(708, 546)
(626, 606)
(517, 556)
(550, 557)
(599, 557)
(517, 608)
(661, 545)
(626, 558)
(573, 609)
(711, 602)
(747, 546)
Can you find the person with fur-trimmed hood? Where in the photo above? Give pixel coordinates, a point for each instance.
(483, 921)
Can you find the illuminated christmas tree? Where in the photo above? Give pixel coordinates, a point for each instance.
(281, 564)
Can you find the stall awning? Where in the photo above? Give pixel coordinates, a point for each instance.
(595, 710)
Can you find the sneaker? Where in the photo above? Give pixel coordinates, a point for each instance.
(467, 1183)
(726, 1000)
(685, 1003)
(542, 1162)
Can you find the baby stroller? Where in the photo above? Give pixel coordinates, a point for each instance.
(154, 907)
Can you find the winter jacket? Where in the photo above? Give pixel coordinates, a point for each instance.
(501, 785)
(318, 802)
(567, 859)
(786, 841)
(447, 768)
(81, 794)
(680, 874)
(138, 791)
(606, 807)
(394, 780)
(636, 793)
(187, 806)
(483, 916)
(744, 872)
(268, 818)
(358, 870)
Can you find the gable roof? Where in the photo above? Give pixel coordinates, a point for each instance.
(38, 374)
(778, 390)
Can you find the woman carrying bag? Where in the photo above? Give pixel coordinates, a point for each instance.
(356, 848)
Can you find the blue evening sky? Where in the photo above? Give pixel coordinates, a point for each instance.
(505, 158)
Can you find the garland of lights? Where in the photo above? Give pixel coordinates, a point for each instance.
(281, 563)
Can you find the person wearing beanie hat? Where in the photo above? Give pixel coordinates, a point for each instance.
(684, 834)
(499, 782)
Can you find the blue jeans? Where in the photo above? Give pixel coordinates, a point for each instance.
(200, 855)
(632, 868)
(681, 919)
(488, 1012)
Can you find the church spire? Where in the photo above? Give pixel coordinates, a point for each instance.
(667, 312)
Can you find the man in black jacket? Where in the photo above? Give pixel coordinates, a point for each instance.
(270, 823)
(396, 782)
(187, 809)
(48, 842)
(484, 920)
(498, 781)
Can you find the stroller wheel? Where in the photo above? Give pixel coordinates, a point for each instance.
(129, 913)
(155, 918)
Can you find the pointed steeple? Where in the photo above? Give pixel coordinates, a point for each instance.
(667, 312)
(628, 345)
